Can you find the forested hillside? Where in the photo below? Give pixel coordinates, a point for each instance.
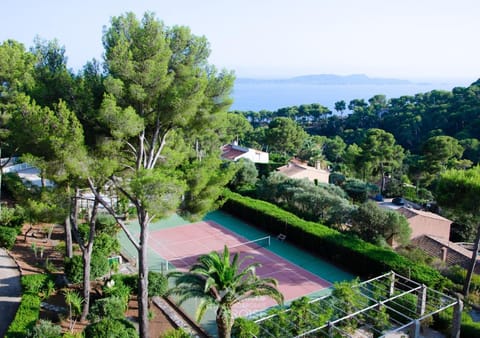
(410, 119)
(402, 145)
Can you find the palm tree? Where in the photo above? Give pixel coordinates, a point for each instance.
(218, 281)
(74, 302)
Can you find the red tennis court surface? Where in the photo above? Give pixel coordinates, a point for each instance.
(182, 245)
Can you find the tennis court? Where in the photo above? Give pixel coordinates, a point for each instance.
(175, 241)
(182, 245)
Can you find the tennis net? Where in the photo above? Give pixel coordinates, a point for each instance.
(250, 245)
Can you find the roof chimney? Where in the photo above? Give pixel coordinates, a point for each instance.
(444, 254)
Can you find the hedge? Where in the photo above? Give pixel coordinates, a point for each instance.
(352, 253)
(29, 309)
(26, 316)
(109, 327)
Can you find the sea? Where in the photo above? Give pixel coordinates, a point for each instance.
(253, 96)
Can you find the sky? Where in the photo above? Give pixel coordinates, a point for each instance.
(406, 39)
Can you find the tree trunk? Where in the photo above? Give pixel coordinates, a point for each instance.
(473, 261)
(143, 279)
(68, 226)
(68, 238)
(87, 257)
(224, 323)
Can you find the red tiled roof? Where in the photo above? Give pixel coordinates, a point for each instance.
(229, 153)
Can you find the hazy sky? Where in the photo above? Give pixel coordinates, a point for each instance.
(410, 39)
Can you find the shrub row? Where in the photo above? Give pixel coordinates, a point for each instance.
(352, 253)
(157, 283)
(29, 309)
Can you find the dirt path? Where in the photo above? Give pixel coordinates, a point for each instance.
(10, 290)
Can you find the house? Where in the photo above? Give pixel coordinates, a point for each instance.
(431, 233)
(449, 252)
(426, 223)
(298, 169)
(234, 152)
(421, 222)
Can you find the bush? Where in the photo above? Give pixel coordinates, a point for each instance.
(26, 316)
(366, 260)
(119, 290)
(12, 218)
(99, 264)
(245, 328)
(246, 175)
(176, 333)
(74, 268)
(129, 280)
(105, 245)
(45, 329)
(458, 274)
(111, 328)
(358, 190)
(106, 224)
(469, 328)
(109, 307)
(157, 284)
(33, 284)
(7, 237)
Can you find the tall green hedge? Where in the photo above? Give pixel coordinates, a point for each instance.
(353, 254)
(29, 309)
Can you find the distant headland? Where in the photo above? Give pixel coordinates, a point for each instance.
(330, 79)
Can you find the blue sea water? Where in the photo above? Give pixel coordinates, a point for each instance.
(272, 96)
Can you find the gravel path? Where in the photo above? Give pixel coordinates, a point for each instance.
(10, 290)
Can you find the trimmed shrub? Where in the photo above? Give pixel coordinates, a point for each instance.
(120, 291)
(110, 307)
(33, 284)
(45, 329)
(26, 316)
(129, 280)
(366, 260)
(106, 224)
(7, 237)
(111, 328)
(29, 309)
(74, 268)
(157, 284)
(176, 333)
(99, 265)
